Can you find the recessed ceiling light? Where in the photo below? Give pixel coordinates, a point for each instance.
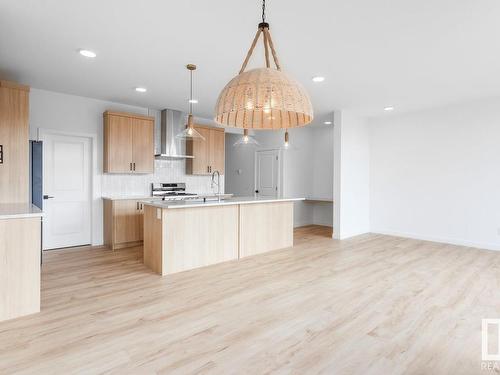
(318, 79)
(141, 89)
(87, 53)
(327, 123)
(389, 108)
(193, 101)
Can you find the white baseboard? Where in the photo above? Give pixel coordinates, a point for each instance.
(301, 223)
(304, 223)
(324, 223)
(451, 241)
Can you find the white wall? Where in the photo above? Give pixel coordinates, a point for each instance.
(351, 175)
(322, 183)
(435, 174)
(75, 114)
(243, 159)
(306, 166)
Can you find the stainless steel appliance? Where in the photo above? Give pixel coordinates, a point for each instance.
(36, 182)
(172, 123)
(36, 173)
(171, 191)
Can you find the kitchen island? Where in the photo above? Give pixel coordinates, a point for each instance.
(183, 235)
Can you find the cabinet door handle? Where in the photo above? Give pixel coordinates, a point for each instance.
(130, 166)
(136, 205)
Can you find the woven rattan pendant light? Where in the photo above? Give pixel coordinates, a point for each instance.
(263, 98)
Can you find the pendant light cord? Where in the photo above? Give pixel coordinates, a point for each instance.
(263, 11)
(191, 92)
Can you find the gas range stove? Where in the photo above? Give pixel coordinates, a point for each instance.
(171, 191)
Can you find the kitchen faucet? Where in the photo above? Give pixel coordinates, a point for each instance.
(216, 183)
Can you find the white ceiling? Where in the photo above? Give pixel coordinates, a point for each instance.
(406, 53)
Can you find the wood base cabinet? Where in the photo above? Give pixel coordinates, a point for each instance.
(123, 223)
(19, 267)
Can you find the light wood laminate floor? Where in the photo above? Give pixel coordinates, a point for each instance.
(369, 305)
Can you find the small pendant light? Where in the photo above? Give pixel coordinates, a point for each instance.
(190, 133)
(246, 140)
(286, 144)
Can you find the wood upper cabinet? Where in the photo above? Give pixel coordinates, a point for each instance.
(200, 151)
(14, 146)
(208, 154)
(217, 150)
(117, 144)
(143, 146)
(128, 143)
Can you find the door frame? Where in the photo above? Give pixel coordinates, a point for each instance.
(280, 169)
(94, 208)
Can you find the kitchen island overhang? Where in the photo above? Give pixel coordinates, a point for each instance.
(180, 236)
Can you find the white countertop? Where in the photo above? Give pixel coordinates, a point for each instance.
(19, 211)
(319, 199)
(129, 197)
(150, 198)
(224, 202)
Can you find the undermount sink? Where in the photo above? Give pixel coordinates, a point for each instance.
(212, 198)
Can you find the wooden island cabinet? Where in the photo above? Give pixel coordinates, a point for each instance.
(180, 236)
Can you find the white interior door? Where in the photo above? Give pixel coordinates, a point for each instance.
(67, 191)
(267, 173)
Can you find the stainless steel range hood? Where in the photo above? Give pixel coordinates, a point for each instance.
(172, 123)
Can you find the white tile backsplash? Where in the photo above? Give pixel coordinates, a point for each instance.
(165, 171)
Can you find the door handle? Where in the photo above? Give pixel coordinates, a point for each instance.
(256, 191)
(47, 197)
